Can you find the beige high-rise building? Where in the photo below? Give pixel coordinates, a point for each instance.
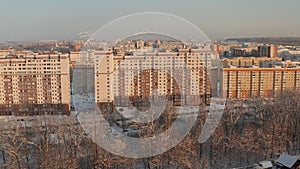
(180, 76)
(260, 82)
(35, 85)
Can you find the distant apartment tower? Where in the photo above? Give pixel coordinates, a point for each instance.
(249, 61)
(268, 51)
(217, 49)
(180, 76)
(237, 52)
(83, 76)
(274, 51)
(82, 72)
(35, 85)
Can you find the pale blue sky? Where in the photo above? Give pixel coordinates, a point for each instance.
(62, 19)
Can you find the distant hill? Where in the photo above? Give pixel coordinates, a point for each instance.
(151, 37)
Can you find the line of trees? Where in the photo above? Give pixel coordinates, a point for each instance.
(250, 131)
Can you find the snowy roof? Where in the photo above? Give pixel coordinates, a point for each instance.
(266, 164)
(287, 160)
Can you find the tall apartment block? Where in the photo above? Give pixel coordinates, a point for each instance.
(126, 79)
(268, 51)
(35, 85)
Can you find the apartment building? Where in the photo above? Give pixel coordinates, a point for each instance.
(270, 51)
(82, 77)
(249, 61)
(35, 85)
(260, 82)
(82, 72)
(180, 76)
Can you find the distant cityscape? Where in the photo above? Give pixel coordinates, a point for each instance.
(41, 74)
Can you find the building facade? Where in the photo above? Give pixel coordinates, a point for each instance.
(82, 72)
(270, 51)
(35, 85)
(249, 61)
(260, 82)
(127, 79)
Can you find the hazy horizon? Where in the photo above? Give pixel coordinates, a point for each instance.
(35, 20)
